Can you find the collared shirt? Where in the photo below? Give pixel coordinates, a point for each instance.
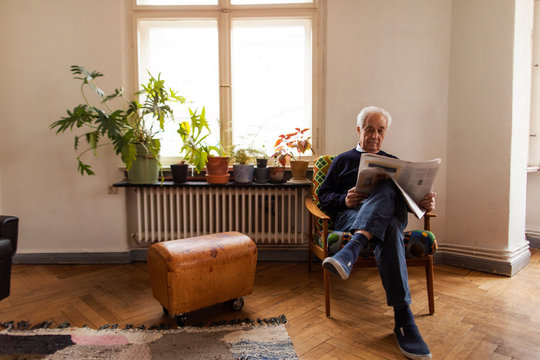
(359, 148)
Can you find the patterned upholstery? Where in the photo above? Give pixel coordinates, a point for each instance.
(418, 243)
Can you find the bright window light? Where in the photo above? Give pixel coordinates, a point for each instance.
(177, 2)
(258, 2)
(271, 79)
(185, 52)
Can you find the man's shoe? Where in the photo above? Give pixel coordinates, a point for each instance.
(410, 342)
(341, 263)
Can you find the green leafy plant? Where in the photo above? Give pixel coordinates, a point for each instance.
(241, 156)
(287, 144)
(124, 128)
(244, 155)
(193, 134)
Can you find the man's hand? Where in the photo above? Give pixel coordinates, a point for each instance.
(354, 198)
(428, 202)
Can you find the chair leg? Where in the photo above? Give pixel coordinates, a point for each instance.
(327, 292)
(429, 281)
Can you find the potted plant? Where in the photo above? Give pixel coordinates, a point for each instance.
(198, 153)
(261, 157)
(277, 171)
(243, 172)
(132, 132)
(203, 155)
(261, 171)
(194, 149)
(217, 168)
(285, 147)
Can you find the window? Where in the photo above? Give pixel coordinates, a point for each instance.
(253, 65)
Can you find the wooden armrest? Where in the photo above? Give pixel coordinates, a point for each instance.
(314, 210)
(427, 220)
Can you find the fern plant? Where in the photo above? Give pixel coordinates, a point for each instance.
(124, 128)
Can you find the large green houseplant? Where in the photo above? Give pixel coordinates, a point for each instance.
(131, 129)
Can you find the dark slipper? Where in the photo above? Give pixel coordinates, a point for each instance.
(411, 343)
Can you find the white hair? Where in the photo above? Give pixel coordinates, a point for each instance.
(362, 115)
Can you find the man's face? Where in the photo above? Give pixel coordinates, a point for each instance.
(371, 136)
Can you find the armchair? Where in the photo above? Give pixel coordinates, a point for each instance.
(9, 227)
(419, 244)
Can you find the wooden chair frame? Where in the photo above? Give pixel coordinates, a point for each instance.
(322, 253)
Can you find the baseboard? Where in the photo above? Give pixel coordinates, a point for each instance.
(534, 238)
(292, 255)
(505, 263)
(75, 258)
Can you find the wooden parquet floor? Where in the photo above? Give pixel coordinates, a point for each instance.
(477, 315)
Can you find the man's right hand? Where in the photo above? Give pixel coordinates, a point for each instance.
(354, 198)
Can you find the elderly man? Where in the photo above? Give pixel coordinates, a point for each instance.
(376, 221)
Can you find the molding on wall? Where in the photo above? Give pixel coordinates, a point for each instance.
(501, 262)
(127, 257)
(534, 237)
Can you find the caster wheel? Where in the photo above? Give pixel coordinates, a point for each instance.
(181, 320)
(165, 311)
(237, 303)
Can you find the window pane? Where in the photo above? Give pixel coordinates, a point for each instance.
(177, 2)
(271, 80)
(185, 52)
(257, 2)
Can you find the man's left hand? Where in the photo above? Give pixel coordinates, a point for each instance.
(428, 202)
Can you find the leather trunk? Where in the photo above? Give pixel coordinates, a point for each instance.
(193, 273)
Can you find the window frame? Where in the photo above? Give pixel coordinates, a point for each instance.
(224, 13)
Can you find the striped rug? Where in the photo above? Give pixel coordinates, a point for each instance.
(241, 341)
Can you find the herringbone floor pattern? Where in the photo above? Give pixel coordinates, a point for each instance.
(477, 315)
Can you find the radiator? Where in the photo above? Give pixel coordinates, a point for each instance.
(272, 216)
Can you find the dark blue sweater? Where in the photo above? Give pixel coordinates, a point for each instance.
(340, 178)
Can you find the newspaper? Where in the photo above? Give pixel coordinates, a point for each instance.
(414, 179)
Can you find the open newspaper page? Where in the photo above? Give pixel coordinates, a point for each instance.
(414, 179)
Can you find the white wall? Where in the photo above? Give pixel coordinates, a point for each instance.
(533, 179)
(444, 69)
(487, 129)
(393, 54)
(59, 210)
(521, 114)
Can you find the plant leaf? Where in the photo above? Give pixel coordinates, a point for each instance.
(84, 168)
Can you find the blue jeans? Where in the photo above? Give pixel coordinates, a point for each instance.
(384, 214)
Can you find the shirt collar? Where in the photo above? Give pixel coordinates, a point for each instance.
(359, 148)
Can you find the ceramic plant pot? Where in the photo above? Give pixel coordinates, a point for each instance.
(179, 172)
(262, 163)
(217, 170)
(262, 174)
(276, 173)
(145, 168)
(299, 169)
(243, 174)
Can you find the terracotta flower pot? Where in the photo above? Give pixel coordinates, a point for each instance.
(299, 169)
(217, 170)
(276, 173)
